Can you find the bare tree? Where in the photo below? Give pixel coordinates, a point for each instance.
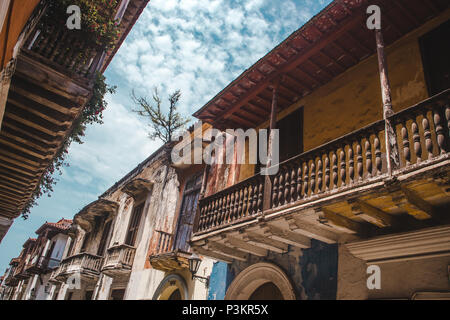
(164, 125)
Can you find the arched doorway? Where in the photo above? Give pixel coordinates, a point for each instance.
(172, 287)
(268, 291)
(176, 295)
(261, 281)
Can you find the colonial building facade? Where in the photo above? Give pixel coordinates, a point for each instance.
(362, 187)
(357, 208)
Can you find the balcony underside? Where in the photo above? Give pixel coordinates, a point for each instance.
(417, 199)
(117, 271)
(86, 275)
(41, 107)
(170, 261)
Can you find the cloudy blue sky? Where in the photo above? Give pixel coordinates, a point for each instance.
(197, 46)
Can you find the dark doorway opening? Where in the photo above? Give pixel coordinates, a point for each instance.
(117, 294)
(435, 47)
(267, 291)
(176, 295)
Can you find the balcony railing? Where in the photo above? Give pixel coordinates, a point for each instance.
(42, 264)
(84, 263)
(164, 242)
(119, 257)
(166, 257)
(356, 159)
(61, 48)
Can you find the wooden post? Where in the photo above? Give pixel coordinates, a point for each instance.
(390, 136)
(273, 125)
(201, 196)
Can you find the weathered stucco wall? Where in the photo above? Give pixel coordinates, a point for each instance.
(399, 280)
(352, 276)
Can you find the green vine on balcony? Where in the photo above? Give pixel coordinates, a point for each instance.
(98, 27)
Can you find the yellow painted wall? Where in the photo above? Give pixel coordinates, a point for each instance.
(353, 99)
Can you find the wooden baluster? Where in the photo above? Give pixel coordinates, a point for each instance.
(299, 181)
(447, 117)
(334, 168)
(236, 204)
(368, 148)
(256, 197)
(231, 217)
(245, 201)
(251, 191)
(241, 203)
(260, 194)
(343, 166)
(416, 139)
(223, 213)
(319, 175)
(216, 213)
(359, 159)
(219, 220)
(228, 208)
(313, 177)
(305, 180)
(281, 187)
(405, 142)
(253, 200)
(427, 136)
(293, 184)
(210, 214)
(351, 164)
(327, 172)
(204, 213)
(275, 191)
(378, 162)
(287, 185)
(440, 137)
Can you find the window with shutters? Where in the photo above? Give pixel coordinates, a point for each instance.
(85, 242)
(104, 239)
(187, 213)
(133, 227)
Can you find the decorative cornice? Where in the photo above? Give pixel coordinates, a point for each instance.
(421, 244)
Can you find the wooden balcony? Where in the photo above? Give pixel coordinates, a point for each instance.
(165, 258)
(119, 260)
(20, 271)
(42, 265)
(49, 81)
(85, 264)
(342, 188)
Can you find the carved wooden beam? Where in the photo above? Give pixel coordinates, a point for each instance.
(265, 243)
(226, 251)
(286, 236)
(244, 246)
(414, 199)
(311, 231)
(208, 253)
(371, 214)
(339, 222)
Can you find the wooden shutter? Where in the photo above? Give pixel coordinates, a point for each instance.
(134, 225)
(102, 245)
(187, 213)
